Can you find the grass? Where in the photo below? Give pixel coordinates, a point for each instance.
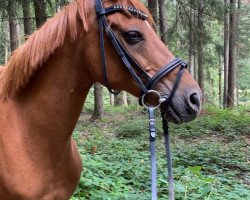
(210, 156)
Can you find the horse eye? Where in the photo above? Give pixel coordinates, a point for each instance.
(132, 37)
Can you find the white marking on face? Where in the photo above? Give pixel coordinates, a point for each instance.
(150, 27)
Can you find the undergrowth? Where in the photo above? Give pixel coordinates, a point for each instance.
(210, 156)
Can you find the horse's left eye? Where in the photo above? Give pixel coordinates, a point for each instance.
(132, 37)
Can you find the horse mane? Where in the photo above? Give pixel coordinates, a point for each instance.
(44, 42)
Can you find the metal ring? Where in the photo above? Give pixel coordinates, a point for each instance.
(154, 92)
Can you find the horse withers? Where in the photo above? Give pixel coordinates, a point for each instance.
(44, 85)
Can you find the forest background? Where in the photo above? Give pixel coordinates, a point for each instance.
(211, 155)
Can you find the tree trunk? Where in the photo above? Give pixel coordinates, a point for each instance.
(237, 95)
(6, 43)
(232, 54)
(191, 42)
(200, 44)
(220, 78)
(237, 47)
(13, 25)
(195, 46)
(121, 99)
(152, 7)
(195, 67)
(27, 17)
(98, 105)
(226, 51)
(40, 12)
(176, 27)
(163, 20)
(111, 99)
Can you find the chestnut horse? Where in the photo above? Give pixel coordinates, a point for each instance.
(45, 83)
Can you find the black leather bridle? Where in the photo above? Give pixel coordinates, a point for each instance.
(128, 61)
(146, 88)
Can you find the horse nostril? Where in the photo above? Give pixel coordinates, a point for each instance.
(195, 99)
(194, 103)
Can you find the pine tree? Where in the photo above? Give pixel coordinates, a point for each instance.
(13, 25)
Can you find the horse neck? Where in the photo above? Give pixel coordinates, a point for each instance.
(48, 108)
(1, 69)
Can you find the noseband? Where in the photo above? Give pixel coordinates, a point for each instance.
(133, 67)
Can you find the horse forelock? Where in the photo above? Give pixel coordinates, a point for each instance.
(43, 43)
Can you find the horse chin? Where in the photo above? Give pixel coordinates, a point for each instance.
(176, 116)
(171, 116)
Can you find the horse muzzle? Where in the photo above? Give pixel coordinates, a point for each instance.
(182, 108)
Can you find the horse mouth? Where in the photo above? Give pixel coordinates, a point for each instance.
(176, 116)
(171, 115)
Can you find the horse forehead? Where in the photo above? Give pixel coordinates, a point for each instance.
(122, 21)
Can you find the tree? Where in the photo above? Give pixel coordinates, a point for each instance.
(200, 44)
(121, 99)
(27, 17)
(152, 7)
(13, 25)
(226, 50)
(111, 99)
(220, 68)
(40, 12)
(192, 44)
(232, 54)
(98, 102)
(6, 34)
(163, 20)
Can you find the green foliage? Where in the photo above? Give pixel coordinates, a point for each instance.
(132, 128)
(209, 156)
(179, 23)
(219, 122)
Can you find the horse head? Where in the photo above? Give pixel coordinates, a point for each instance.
(137, 36)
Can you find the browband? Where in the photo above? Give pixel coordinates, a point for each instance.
(120, 8)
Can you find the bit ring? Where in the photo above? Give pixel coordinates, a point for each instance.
(152, 92)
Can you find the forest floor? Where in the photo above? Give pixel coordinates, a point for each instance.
(211, 156)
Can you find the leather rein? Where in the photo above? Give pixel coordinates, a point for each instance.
(146, 88)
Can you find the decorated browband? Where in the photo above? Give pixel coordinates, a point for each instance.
(118, 8)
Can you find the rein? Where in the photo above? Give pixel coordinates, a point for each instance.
(146, 88)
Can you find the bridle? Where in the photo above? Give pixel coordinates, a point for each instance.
(126, 58)
(146, 88)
